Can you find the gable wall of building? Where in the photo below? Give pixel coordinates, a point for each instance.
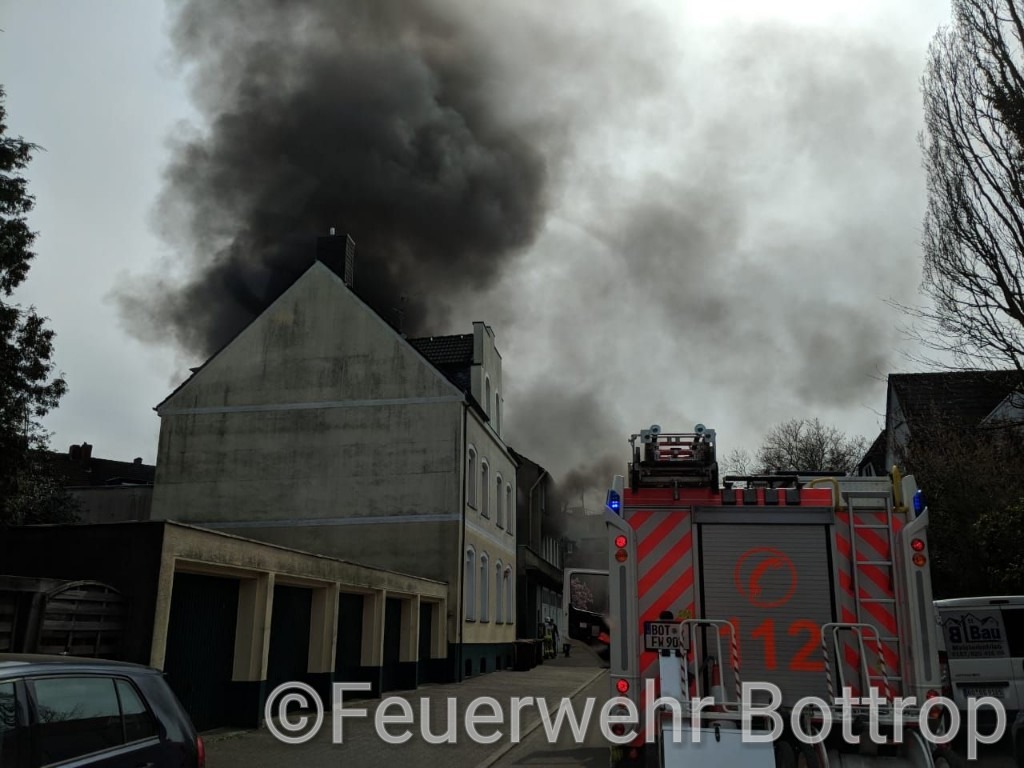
(320, 428)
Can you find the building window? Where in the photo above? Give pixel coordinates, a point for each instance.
(499, 511)
(497, 413)
(507, 587)
(485, 489)
(469, 588)
(487, 395)
(511, 509)
(499, 572)
(471, 477)
(485, 592)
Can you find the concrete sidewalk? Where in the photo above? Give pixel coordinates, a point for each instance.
(363, 746)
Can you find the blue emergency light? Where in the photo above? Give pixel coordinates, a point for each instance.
(614, 503)
(919, 504)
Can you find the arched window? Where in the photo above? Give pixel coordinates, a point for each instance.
(510, 506)
(499, 589)
(507, 587)
(487, 394)
(469, 588)
(499, 509)
(471, 477)
(485, 592)
(485, 489)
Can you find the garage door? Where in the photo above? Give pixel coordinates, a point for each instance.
(201, 646)
(775, 583)
(288, 657)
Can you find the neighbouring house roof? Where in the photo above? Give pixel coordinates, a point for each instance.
(874, 458)
(964, 397)
(524, 462)
(77, 472)
(446, 350)
(451, 355)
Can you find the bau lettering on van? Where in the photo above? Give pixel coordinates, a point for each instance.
(973, 636)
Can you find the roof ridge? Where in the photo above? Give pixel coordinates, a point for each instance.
(948, 374)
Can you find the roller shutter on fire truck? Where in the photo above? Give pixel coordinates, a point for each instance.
(774, 582)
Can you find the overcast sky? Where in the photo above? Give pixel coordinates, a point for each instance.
(734, 191)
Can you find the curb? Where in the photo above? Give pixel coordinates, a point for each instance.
(506, 748)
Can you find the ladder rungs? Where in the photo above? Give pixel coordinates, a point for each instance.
(877, 600)
(863, 527)
(887, 563)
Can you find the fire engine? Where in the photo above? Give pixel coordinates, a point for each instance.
(810, 583)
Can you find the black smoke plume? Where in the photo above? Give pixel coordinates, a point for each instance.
(711, 217)
(372, 116)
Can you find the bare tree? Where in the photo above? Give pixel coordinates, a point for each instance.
(974, 158)
(808, 445)
(738, 462)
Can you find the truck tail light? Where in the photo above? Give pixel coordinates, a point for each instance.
(621, 555)
(917, 545)
(620, 541)
(200, 753)
(622, 686)
(919, 559)
(618, 729)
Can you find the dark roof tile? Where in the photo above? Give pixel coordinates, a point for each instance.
(964, 397)
(451, 355)
(446, 350)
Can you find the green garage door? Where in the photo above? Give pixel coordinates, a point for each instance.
(288, 658)
(201, 646)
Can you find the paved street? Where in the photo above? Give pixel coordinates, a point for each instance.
(362, 746)
(536, 751)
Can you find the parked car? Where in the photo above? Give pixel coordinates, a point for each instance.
(983, 646)
(91, 712)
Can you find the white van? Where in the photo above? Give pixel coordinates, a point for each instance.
(984, 648)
